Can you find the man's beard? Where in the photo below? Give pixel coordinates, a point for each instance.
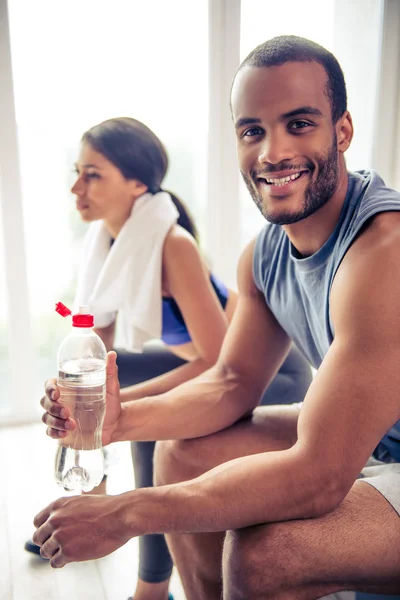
(316, 195)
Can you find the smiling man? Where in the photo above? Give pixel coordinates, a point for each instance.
(302, 153)
(302, 500)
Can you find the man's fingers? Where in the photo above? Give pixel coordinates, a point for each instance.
(56, 434)
(58, 424)
(112, 369)
(57, 415)
(38, 521)
(51, 405)
(49, 548)
(59, 560)
(112, 383)
(51, 389)
(54, 407)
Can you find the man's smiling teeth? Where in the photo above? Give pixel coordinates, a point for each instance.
(283, 180)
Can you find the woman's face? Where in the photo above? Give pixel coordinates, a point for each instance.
(101, 191)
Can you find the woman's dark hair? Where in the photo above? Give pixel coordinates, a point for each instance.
(138, 153)
(291, 48)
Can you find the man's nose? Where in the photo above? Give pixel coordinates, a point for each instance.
(275, 148)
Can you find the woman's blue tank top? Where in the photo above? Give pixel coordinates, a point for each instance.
(174, 330)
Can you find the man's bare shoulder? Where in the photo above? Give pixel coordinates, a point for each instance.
(377, 244)
(245, 276)
(367, 283)
(381, 231)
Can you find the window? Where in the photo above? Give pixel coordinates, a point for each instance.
(353, 33)
(261, 21)
(89, 61)
(4, 362)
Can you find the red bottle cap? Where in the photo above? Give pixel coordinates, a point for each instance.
(62, 309)
(82, 320)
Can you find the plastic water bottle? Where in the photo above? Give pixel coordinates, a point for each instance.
(79, 464)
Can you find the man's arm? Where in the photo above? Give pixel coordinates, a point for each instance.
(350, 405)
(352, 402)
(251, 354)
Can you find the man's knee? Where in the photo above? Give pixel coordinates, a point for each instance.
(259, 562)
(180, 460)
(242, 561)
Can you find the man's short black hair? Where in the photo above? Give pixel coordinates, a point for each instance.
(291, 48)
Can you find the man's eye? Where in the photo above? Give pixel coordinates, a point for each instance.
(252, 132)
(300, 125)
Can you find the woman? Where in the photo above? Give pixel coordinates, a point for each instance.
(120, 172)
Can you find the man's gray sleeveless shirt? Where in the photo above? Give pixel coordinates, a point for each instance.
(297, 290)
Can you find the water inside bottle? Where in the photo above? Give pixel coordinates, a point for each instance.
(79, 459)
(83, 390)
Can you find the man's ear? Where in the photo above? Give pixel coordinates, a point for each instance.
(344, 131)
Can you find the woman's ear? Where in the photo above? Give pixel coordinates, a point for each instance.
(344, 131)
(137, 188)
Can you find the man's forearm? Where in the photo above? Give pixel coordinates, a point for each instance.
(269, 487)
(199, 407)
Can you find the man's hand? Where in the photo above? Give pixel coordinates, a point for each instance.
(57, 416)
(79, 528)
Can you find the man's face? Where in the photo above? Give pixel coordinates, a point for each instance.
(286, 141)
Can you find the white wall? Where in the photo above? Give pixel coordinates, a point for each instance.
(16, 295)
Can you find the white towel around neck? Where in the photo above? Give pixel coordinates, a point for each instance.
(126, 277)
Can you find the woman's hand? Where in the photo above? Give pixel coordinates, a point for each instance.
(57, 416)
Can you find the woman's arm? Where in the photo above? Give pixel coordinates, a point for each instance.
(166, 382)
(107, 334)
(187, 280)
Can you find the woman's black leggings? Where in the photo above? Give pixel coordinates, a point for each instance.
(289, 385)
